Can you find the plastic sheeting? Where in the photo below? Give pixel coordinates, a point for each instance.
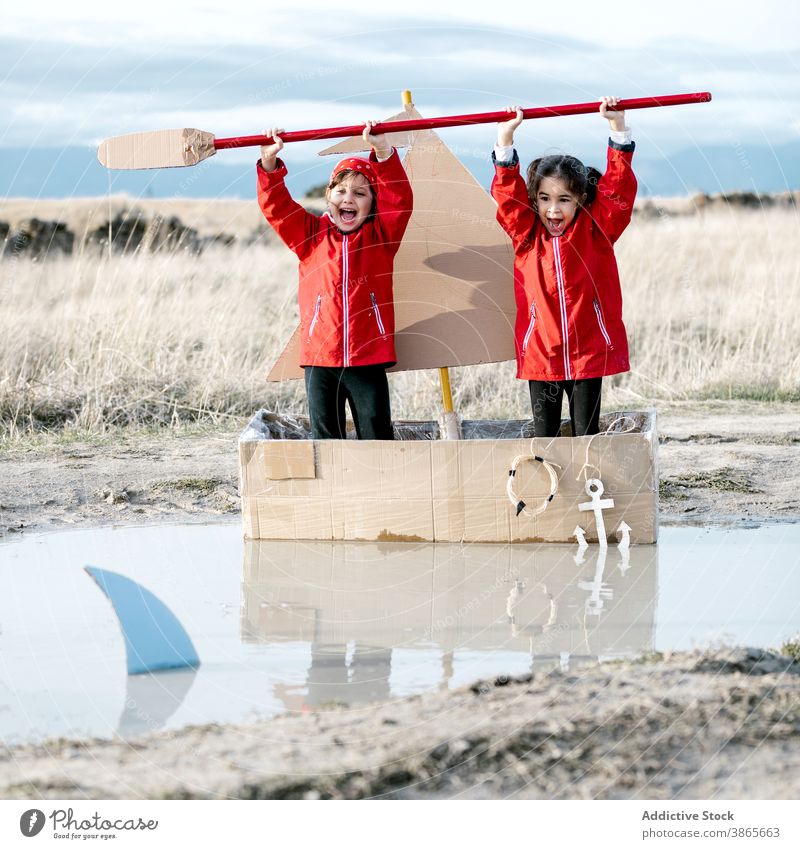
(268, 425)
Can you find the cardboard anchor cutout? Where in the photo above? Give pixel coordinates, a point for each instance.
(453, 283)
(594, 489)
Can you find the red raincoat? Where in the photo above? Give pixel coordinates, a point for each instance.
(569, 304)
(346, 302)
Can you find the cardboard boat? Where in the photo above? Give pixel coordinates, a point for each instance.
(422, 488)
(454, 306)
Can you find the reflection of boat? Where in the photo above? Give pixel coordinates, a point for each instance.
(358, 604)
(454, 306)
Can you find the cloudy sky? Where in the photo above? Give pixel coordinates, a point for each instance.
(75, 73)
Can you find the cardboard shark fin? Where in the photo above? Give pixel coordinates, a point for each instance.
(154, 638)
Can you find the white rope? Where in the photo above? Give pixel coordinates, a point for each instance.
(519, 504)
(609, 430)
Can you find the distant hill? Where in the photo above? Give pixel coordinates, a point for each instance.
(75, 172)
(721, 168)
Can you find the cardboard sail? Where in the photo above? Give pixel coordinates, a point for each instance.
(453, 278)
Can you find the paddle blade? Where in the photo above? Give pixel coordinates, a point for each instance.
(159, 149)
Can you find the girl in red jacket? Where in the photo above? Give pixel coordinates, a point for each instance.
(563, 224)
(346, 305)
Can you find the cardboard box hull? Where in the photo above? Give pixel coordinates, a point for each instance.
(432, 490)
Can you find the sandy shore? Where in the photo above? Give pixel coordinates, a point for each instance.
(722, 725)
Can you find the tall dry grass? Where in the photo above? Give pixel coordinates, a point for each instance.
(712, 306)
(91, 343)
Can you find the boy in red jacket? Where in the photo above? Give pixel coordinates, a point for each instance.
(563, 225)
(346, 303)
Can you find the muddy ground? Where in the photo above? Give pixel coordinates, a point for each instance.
(722, 725)
(719, 726)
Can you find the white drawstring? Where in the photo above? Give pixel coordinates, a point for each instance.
(606, 432)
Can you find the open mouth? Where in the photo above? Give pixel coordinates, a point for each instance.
(556, 225)
(347, 216)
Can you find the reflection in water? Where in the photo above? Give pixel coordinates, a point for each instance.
(152, 698)
(334, 622)
(359, 606)
(338, 677)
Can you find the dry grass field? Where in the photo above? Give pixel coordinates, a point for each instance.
(88, 342)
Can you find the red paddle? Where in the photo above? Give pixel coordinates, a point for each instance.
(173, 148)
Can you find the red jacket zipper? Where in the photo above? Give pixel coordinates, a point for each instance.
(562, 304)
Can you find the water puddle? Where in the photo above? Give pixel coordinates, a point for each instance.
(291, 626)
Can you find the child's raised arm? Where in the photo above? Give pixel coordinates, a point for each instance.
(506, 129)
(294, 224)
(514, 212)
(269, 152)
(615, 118)
(383, 150)
(395, 198)
(616, 189)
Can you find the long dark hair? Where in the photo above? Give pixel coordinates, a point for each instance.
(579, 179)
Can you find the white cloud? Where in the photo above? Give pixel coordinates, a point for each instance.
(769, 25)
(235, 68)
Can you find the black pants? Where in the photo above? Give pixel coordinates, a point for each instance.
(365, 388)
(584, 405)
